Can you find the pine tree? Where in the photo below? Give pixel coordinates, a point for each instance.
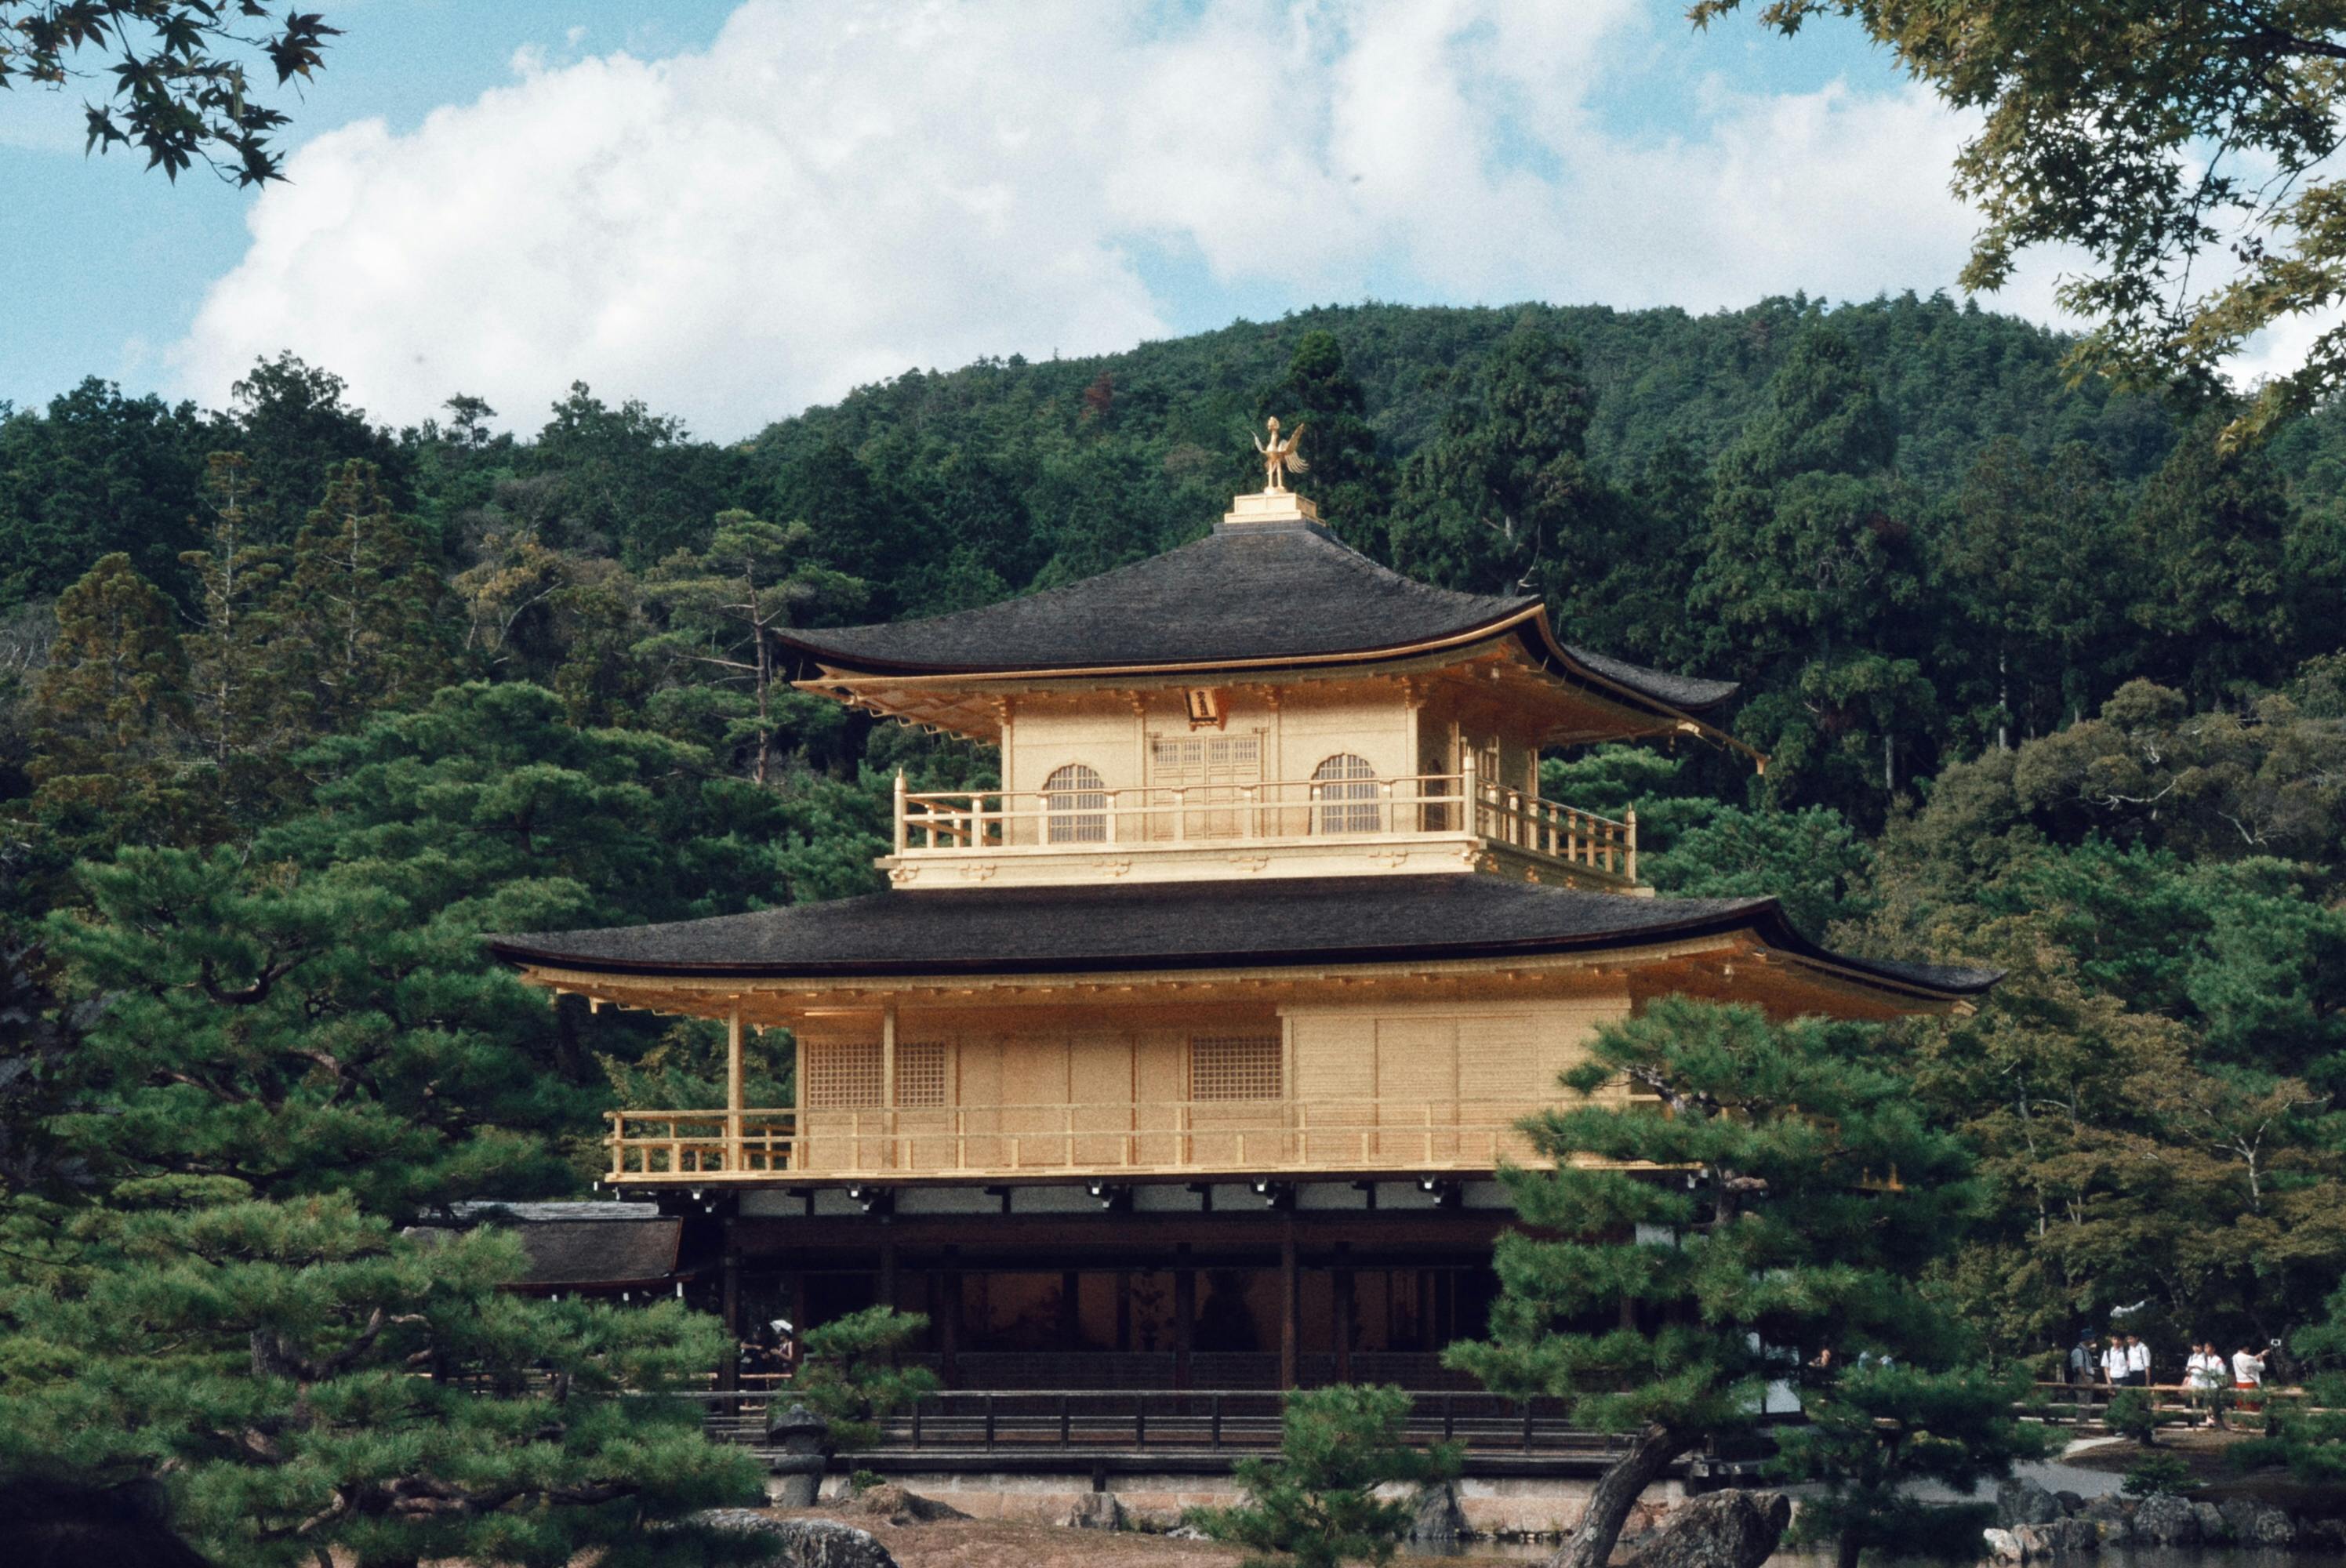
(313, 1386)
(1804, 1193)
(852, 1378)
(362, 605)
(1325, 1497)
(237, 719)
(723, 606)
(107, 716)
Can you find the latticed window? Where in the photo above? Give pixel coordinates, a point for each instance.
(1075, 803)
(920, 1072)
(1234, 1067)
(842, 1075)
(1344, 796)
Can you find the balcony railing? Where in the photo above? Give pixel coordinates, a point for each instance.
(990, 821)
(1249, 1137)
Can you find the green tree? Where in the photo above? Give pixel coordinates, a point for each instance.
(851, 1377)
(2143, 137)
(107, 713)
(92, 474)
(722, 608)
(1502, 499)
(1876, 1431)
(362, 604)
(238, 721)
(180, 88)
(1350, 477)
(1807, 1193)
(1319, 1502)
(1808, 577)
(296, 430)
(313, 1386)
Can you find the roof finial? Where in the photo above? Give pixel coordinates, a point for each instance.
(1280, 456)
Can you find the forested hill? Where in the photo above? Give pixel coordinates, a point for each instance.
(1953, 376)
(296, 705)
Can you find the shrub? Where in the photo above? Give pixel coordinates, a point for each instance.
(1315, 1504)
(2157, 1475)
(2131, 1415)
(852, 1379)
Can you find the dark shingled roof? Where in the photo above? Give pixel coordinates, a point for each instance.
(574, 1244)
(1252, 592)
(1318, 920)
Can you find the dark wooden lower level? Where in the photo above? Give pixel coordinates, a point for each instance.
(1268, 1298)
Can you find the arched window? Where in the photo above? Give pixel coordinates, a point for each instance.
(1344, 796)
(1075, 803)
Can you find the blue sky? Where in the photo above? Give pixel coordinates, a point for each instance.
(734, 210)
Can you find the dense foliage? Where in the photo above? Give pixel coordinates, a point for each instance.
(293, 708)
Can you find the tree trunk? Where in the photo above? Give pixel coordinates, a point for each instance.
(1846, 1550)
(1616, 1492)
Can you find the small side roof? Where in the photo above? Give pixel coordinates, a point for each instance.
(1312, 920)
(1252, 594)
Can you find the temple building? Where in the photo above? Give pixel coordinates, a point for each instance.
(1184, 1058)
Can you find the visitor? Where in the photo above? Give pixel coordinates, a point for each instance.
(2138, 1362)
(2249, 1377)
(2084, 1362)
(2113, 1361)
(2205, 1375)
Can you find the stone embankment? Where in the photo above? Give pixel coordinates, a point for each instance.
(2034, 1524)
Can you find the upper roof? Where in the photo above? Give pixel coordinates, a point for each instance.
(1315, 920)
(1252, 594)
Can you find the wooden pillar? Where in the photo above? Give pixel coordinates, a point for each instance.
(728, 1374)
(1184, 1314)
(888, 1081)
(1344, 1315)
(1124, 1308)
(1289, 1317)
(734, 1160)
(885, 1295)
(949, 1320)
(1071, 1319)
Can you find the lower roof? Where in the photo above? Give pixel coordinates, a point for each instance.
(1317, 922)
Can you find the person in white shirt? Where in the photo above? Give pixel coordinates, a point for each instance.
(2205, 1375)
(2113, 1362)
(2138, 1362)
(2248, 1377)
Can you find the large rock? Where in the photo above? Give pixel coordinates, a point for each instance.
(803, 1542)
(2165, 1520)
(893, 1504)
(1717, 1530)
(2254, 1523)
(2213, 1528)
(2001, 1545)
(2323, 1535)
(1093, 1510)
(2062, 1538)
(2111, 1516)
(2020, 1501)
(1439, 1523)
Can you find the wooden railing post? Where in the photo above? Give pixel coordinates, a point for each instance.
(1473, 801)
(1631, 821)
(903, 837)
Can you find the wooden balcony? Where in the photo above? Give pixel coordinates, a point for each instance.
(1234, 1138)
(1434, 821)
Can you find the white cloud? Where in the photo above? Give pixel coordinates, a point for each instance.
(834, 192)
